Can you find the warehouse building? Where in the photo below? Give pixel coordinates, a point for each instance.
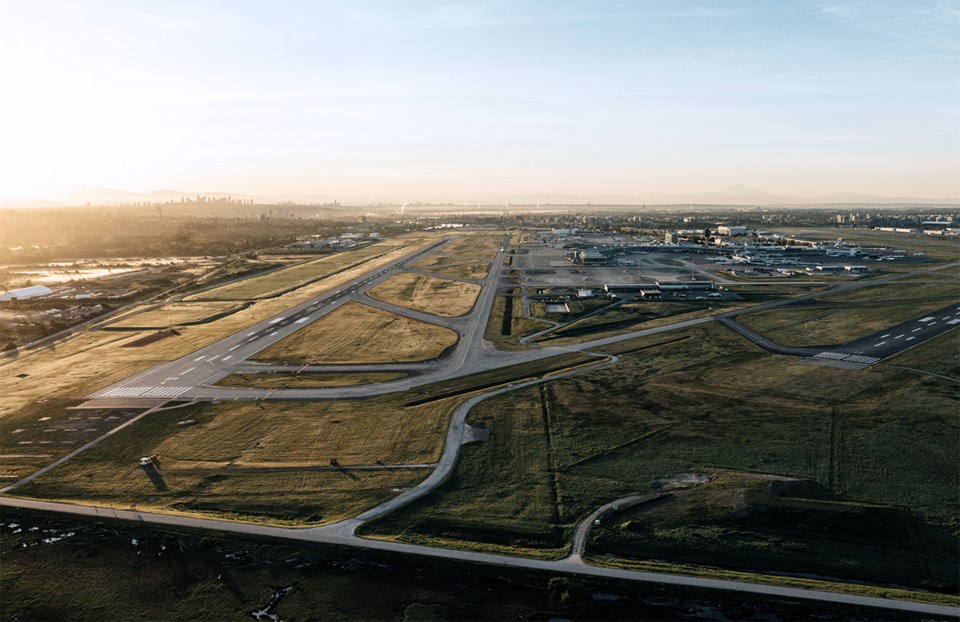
(24, 293)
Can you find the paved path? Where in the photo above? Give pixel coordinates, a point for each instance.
(344, 537)
(582, 530)
(481, 358)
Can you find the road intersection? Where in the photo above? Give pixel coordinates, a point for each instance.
(191, 378)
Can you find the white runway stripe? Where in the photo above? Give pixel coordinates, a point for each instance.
(155, 391)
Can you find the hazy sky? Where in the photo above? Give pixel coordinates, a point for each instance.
(474, 99)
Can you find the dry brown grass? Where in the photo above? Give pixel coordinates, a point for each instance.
(356, 333)
(270, 284)
(432, 295)
(174, 314)
(477, 246)
(45, 381)
(206, 452)
(453, 266)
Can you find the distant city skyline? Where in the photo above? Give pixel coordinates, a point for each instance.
(480, 100)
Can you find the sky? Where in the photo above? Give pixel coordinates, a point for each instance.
(464, 100)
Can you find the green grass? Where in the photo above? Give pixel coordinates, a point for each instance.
(925, 290)
(204, 450)
(505, 335)
(306, 379)
(100, 574)
(816, 325)
(940, 355)
(628, 317)
(711, 401)
(757, 523)
(207, 452)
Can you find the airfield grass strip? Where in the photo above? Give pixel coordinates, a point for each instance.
(506, 321)
(611, 450)
(615, 350)
(877, 591)
(504, 376)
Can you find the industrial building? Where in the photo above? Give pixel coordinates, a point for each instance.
(591, 257)
(24, 293)
(725, 230)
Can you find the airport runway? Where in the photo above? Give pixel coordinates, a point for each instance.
(866, 350)
(176, 378)
(189, 377)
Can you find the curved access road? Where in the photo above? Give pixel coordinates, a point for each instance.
(343, 537)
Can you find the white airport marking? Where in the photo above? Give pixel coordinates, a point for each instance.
(233, 348)
(213, 358)
(199, 358)
(253, 333)
(145, 392)
(931, 324)
(227, 358)
(954, 322)
(914, 330)
(302, 320)
(274, 333)
(910, 338)
(187, 371)
(887, 335)
(275, 320)
(877, 345)
(926, 319)
(898, 337)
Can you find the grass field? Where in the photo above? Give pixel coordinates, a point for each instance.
(628, 317)
(46, 380)
(206, 449)
(940, 355)
(278, 281)
(442, 297)
(176, 314)
(453, 266)
(356, 333)
(507, 325)
(766, 523)
(923, 288)
(711, 401)
(831, 324)
(117, 571)
(306, 379)
(474, 246)
(207, 453)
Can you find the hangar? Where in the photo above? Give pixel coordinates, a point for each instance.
(35, 291)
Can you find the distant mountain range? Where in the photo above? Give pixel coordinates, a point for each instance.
(734, 195)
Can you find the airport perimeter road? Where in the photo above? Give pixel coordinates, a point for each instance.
(566, 566)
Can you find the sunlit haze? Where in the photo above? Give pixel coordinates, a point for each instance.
(480, 100)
